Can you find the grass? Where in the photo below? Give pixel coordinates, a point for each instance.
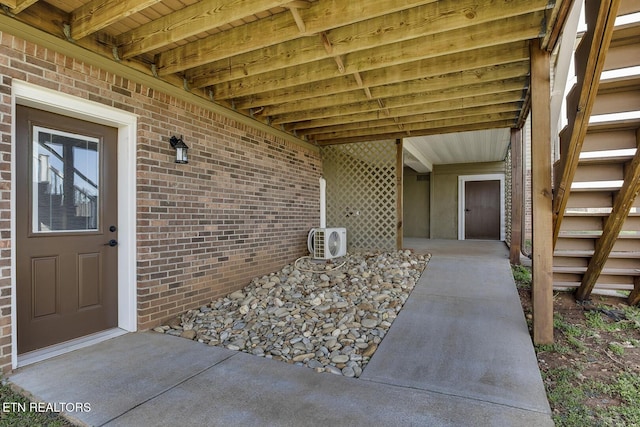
(592, 402)
(592, 370)
(579, 400)
(521, 275)
(15, 411)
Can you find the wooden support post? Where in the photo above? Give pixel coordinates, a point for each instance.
(634, 297)
(516, 196)
(399, 189)
(542, 293)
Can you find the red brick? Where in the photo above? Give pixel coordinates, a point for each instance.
(240, 208)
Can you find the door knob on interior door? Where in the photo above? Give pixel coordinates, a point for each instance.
(112, 243)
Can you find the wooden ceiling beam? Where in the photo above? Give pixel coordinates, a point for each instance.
(399, 96)
(422, 118)
(476, 82)
(49, 19)
(460, 121)
(457, 41)
(98, 14)
(17, 6)
(557, 17)
(499, 124)
(189, 21)
(427, 107)
(459, 62)
(408, 24)
(321, 16)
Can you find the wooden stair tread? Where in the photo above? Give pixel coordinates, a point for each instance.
(570, 253)
(609, 188)
(605, 271)
(625, 34)
(595, 214)
(606, 160)
(633, 123)
(604, 287)
(595, 235)
(619, 84)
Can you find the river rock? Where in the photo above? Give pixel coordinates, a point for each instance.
(330, 317)
(189, 334)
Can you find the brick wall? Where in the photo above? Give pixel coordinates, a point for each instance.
(242, 207)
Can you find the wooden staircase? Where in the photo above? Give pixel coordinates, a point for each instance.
(596, 211)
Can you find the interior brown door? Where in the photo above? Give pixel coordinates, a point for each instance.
(482, 210)
(66, 228)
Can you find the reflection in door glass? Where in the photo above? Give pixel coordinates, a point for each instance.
(65, 181)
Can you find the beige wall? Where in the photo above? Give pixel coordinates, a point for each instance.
(416, 189)
(444, 195)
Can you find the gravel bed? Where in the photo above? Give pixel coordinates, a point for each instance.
(327, 315)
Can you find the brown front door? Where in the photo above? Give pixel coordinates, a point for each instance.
(66, 228)
(482, 210)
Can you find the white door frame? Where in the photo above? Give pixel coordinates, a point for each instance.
(462, 180)
(34, 96)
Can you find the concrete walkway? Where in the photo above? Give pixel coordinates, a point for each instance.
(458, 354)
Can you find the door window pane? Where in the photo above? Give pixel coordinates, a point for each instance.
(66, 171)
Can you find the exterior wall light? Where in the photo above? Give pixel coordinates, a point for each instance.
(181, 149)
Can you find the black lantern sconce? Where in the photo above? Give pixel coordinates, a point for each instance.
(181, 149)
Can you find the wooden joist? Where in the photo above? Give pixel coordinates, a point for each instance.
(18, 6)
(473, 67)
(509, 78)
(258, 35)
(503, 32)
(284, 62)
(189, 21)
(419, 112)
(98, 14)
(420, 132)
(508, 117)
(417, 23)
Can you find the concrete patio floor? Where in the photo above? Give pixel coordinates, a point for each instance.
(458, 354)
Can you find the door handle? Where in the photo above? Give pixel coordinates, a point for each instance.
(112, 243)
(467, 210)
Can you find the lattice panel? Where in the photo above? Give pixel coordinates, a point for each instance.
(362, 193)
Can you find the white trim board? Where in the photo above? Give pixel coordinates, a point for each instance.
(34, 96)
(462, 179)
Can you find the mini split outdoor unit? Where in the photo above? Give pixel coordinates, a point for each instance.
(327, 243)
(323, 242)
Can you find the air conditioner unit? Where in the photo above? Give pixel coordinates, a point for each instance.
(327, 243)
